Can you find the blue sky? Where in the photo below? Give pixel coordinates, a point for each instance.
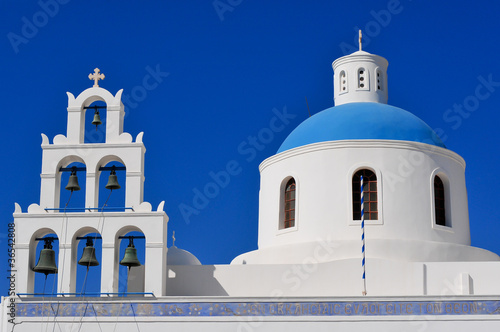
(223, 69)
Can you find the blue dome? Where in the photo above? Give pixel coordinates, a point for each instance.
(354, 121)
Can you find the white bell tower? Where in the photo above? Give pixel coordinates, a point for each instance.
(70, 225)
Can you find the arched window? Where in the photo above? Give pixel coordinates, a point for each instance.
(289, 204)
(343, 82)
(363, 79)
(439, 201)
(370, 196)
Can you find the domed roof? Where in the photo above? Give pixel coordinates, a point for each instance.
(176, 256)
(361, 121)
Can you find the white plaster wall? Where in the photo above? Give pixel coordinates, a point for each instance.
(323, 173)
(462, 278)
(337, 278)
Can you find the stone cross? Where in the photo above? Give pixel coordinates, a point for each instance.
(360, 37)
(96, 77)
(173, 239)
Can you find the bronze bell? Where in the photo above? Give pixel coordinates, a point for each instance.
(73, 181)
(113, 180)
(88, 256)
(130, 258)
(47, 260)
(97, 119)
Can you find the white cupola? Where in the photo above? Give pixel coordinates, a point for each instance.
(360, 77)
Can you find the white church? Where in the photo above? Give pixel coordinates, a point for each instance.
(360, 166)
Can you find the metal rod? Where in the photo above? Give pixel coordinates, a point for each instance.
(69, 169)
(363, 229)
(51, 238)
(85, 294)
(132, 237)
(105, 168)
(95, 107)
(89, 208)
(89, 237)
(109, 168)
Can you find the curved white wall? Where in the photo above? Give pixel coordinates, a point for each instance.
(405, 173)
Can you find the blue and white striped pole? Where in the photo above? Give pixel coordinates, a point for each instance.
(363, 235)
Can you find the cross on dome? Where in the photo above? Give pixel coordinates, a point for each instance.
(96, 77)
(360, 37)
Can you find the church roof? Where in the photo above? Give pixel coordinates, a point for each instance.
(361, 121)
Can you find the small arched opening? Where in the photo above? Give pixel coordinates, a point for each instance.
(95, 122)
(111, 183)
(72, 186)
(132, 260)
(363, 79)
(380, 79)
(343, 82)
(87, 255)
(44, 262)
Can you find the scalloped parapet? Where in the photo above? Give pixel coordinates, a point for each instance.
(17, 208)
(160, 206)
(35, 209)
(124, 138)
(60, 140)
(143, 207)
(138, 139)
(45, 140)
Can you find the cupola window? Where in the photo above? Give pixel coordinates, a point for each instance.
(363, 79)
(370, 196)
(343, 82)
(439, 201)
(380, 82)
(288, 206)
